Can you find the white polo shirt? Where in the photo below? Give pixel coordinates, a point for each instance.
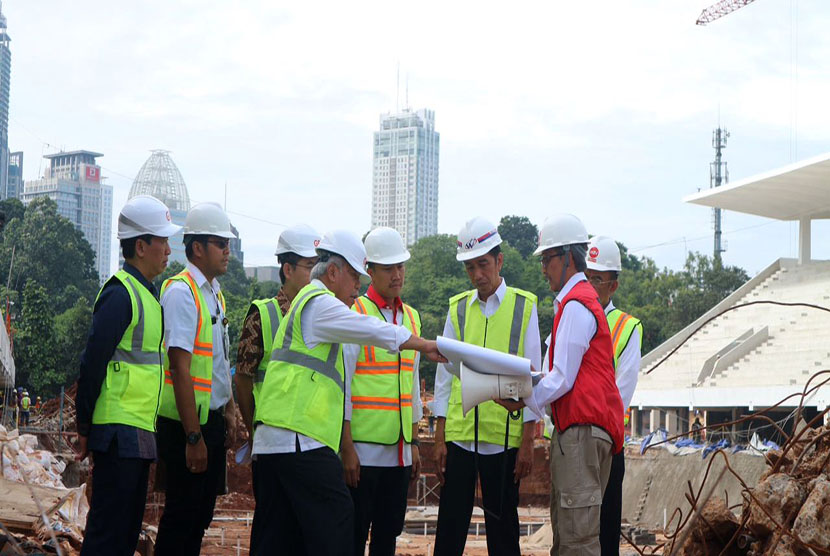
(181, 319)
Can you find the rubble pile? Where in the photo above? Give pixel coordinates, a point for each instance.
(31, 485)
(786, 514)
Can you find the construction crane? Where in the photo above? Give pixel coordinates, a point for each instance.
(722, 8)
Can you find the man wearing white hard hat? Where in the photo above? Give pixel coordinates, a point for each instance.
(197, 415)
(604, 266)
(120, 379)
(303, 504)
(579, 388)
(488, 444)
(380, 448)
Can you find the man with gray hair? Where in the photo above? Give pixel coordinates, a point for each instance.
(303, 504)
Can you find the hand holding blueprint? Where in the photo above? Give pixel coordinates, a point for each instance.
(482, 360)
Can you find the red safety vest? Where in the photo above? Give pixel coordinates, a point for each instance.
(594, 398)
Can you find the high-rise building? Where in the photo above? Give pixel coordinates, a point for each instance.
(160, 178)
(5, 87)
(14, 185)
(73, 181)
(405, 174)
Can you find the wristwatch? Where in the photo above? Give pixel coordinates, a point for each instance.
(415, 442)
(193, 438)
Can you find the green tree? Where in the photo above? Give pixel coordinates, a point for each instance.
(49, 250)
(71, 332)
(35, 345)
(519, 232)
(10, 209)
(172, 269)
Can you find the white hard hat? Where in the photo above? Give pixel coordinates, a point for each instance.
(603, 254)
(348, 246)
(301, 239)
(208, 219)
(385, 246)
(561, 230)
(476, 238)
(144, 214)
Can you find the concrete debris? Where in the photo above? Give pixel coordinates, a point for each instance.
(715, 527)
(21, 456)
(813, 522)
(781, 496)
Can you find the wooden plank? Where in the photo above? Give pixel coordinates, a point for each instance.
(18, 510)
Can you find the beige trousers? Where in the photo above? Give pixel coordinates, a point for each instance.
(580, 463)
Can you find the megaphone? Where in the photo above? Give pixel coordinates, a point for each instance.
(479, 387)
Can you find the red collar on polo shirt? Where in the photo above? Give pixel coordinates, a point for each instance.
(380, 302)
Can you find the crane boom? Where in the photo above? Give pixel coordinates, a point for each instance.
(722, 8)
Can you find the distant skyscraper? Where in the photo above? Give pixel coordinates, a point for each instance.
(14, 186)
(5, 77)
(405, 174)
(160, 178)
(73, 181)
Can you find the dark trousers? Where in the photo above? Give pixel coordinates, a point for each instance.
(499, 494)
(611, 513)
(303, 506)
(189, 497)
(379, 502)
(119, 493)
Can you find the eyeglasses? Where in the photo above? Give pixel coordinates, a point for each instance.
(547, 258)
(598, 281)
(305, 266)
(220, 243)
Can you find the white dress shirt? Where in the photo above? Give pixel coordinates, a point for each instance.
(573, 335)
(443, 377)
(181, 319)
(628, 364)
(326, 319)
(382, 455)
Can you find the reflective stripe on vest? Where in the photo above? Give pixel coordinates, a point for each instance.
(201, 362)
(293, 395)
(270, 317)
(382, 385)
(132, 387)
(621, 325)
(503, 331)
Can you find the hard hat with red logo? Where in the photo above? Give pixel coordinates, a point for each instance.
(477, 238)
(301, 239)
(385, 246)
(348, 246)
(603, 254)
(144, 215)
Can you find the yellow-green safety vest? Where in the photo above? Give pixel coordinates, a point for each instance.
(24, 403)
(132, 387)
(270, 317)
(504, 331)
(382, 384)
(304, 388)
(201, 362)
(621, 326)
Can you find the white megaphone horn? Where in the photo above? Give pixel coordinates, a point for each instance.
(479, 387)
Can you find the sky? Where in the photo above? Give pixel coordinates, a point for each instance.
(601, 109)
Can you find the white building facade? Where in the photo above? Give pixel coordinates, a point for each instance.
(405, 174)
(73, 180)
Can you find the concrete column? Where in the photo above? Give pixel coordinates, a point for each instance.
(656, 421)
(634, 423)
(804, 240)
(672, 420)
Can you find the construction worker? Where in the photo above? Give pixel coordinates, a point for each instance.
(604, 265)
(488, 442)
(38, 405)
(579, 388)
(25, 404)
(197, 415)
(380, 448)
(120, 380)
(303, 504)
(297, 256)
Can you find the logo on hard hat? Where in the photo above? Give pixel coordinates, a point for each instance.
(593, 254)
(168, 216)
(470, 244)
(365, 261)
(316, 242)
